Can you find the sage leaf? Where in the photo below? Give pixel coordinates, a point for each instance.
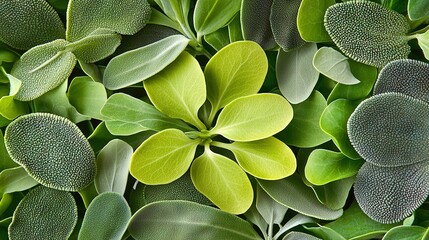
(176, 10)
(15, 180)
(272, 211)
(418, 9)
(334, 195)
(310, 20)
(299, 236)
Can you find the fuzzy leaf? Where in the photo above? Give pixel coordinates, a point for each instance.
(15, 180)
(272, 211)
(310, 20)
(418, 9)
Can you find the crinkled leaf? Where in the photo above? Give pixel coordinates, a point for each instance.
(295, 73)
(52, 150)
(102, 222)
(418, 9)
(406, 232)
(137, 65)
(310, 20)
(222, 181)
(163, 157)
(272, 211)
(15, 180)
(27, 23)
(182, 220)
(253, 117)
(218, 39)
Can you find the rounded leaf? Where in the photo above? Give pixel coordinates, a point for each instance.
(210, 15)
(418, 9)
(52, 150)
(310, 20)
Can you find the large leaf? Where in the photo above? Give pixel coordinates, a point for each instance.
(179, 90)
(222, 181)
(295, 73)
(127, 115)
(101, 222)
(163, 157)
(85, 16)
(137, 65)
(113, 163)
(27, 23)
(15, 180)
(182, 220)
(310, 20)
(253, 117)
(418, 9)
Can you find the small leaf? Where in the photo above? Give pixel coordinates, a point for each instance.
(418, 9)
(335, 194)
(334, 65)
(299, 236)
(179, 90)
(91, 70)
(101, 222)
(176, 10)
(222, 181)
(272, 211)
(406, 232)
(218, 39)
(310, 20)
(253, 117)
(15, 180)
(44, 213)
(6, 162)
(112, 167)
(182, 220)
(295, 73)
(234, 29)
(9, 107)
(137, 65)
(163, 157)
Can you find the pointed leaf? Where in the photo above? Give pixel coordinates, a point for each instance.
(335, 194)
(234, 29)
(9, 107)
(310, 20)
(15, 180)
(272, 211)
(418, 9)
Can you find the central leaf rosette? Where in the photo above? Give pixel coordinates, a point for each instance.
(245, 126)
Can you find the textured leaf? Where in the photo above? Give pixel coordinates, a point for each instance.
(15, 180)
(418, 9)
(310, 20)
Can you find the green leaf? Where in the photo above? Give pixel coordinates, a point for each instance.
(272, 211)
(5, 162)
(299, 236)
(44, 213)
(334, 122)
(406, 232)
(85, 16)
(9, 107)
(294, 194)
(222, 181)
(101, 222)
(177, 10)
(368, 32)
(268, 159)
(210, 15)
(304, 130)
(163, 157)
(112, 167)
(295, 73)
(137, 65)
(310, 20)
(15, 180)
(418, 9)
(335, 194)
(324, 166)
(87, 96)
(179, 90)
(234, 29)
(158, 18)
(325, 233)
(253, 117)
(423, 41)
(182, 219)
(45, 24)
(91, 70)
(52, 150)
(237, 70)
(42, 69)
(218, 39)
(127, 115)
(334, 65)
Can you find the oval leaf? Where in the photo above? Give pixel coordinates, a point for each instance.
(310, 20)
(418, 9)
(406, 232)
(15, 180)
(210, 15)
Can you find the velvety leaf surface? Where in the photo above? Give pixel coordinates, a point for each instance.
(15, 180)
(270, 210)
(418, 9)
(310, 20)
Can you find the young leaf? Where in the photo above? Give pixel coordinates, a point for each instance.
(179, 90)
(334, 65)
(44, 213)
(222, 181)
(137, 65)
(272, 211)
(15, 180)
(177, 11)
(85, 16)
(418, 9)
(295, 73)
(15, 30)
(42, 69)
(112, 167)
(406, 232)
(253, 117)
(182, 219)
(163, 157)
(101, 222)
(52, 150)
(310, 20)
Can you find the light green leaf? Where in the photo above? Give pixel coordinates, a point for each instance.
(310, 20)
(295, 73)
(5, 162)
(294, 194)
(44, 213)
(423, 41)
(15, 180)
(91, 70)
(406, 232)
(87, 96)
(253, 117)
(101, 222)
(218, 39)
(27, 23)
(334, 65)
(179, 90)
(418, 9)
(324, 166)
(176, 10)
(42, 69)
(85, 16)
(163, 157)
(158, 18)
(295, 221)
(182, 220)
(235, 71)
(304, 130)
(137, 65)
(268, 158)
(127, 115)
(334, 195)
(272, 211)
(9, 107)
(334, 122)
(210, 15)
(113, 162)
(222, 181)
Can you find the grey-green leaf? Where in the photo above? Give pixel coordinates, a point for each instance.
(15, 180)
